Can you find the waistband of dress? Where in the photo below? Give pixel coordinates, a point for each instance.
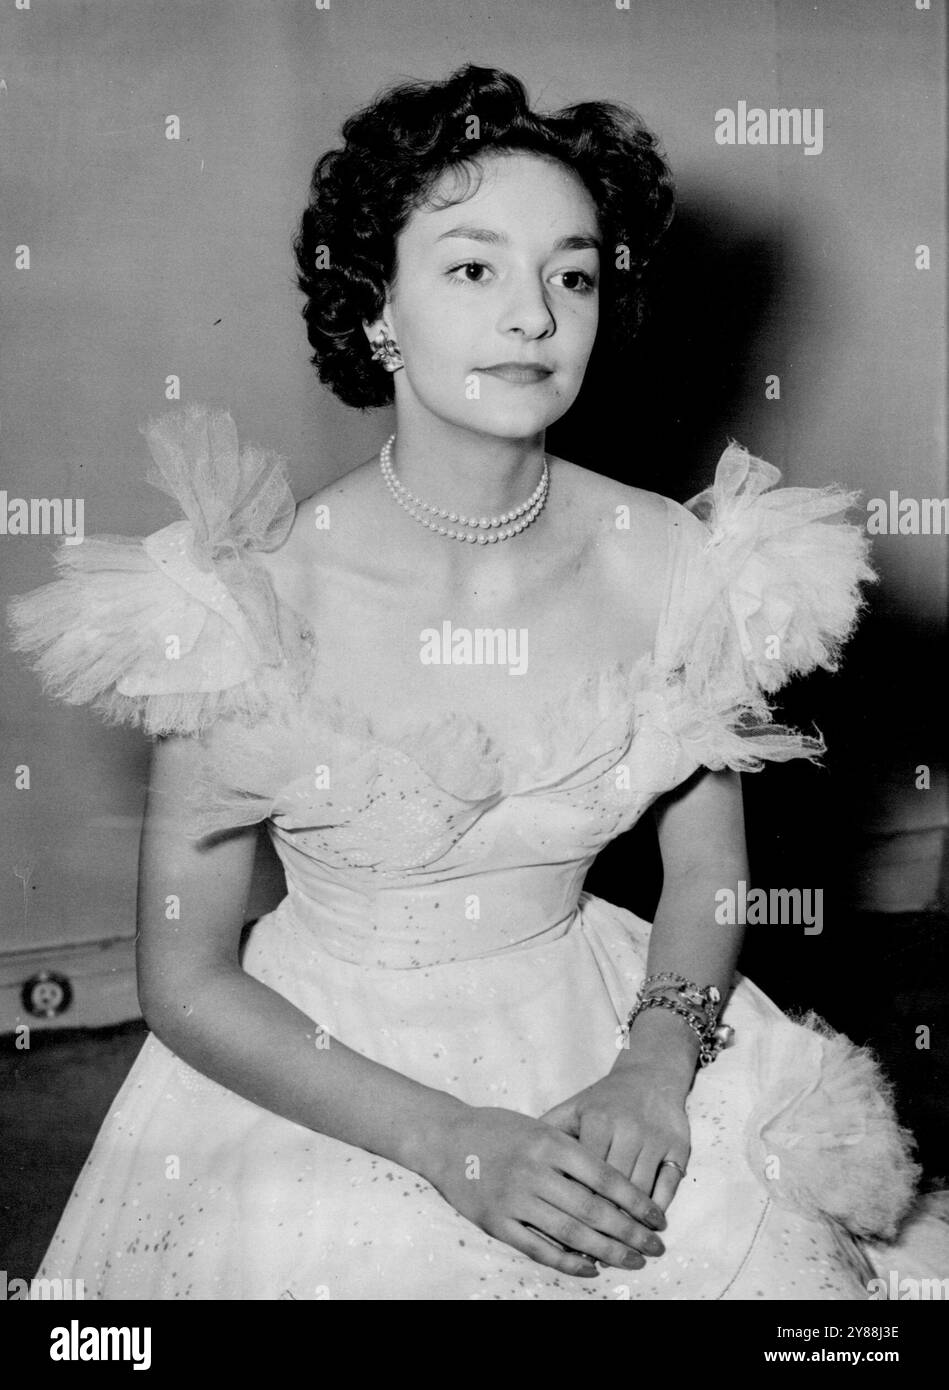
(410, 927)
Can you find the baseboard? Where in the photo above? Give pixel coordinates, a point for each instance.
(86, 984)
(99, 976)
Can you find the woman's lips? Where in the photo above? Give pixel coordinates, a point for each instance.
(519, 376)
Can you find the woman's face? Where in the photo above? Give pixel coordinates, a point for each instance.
(510, 275)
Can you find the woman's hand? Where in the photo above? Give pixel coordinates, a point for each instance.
(530, 1184)
(632, 1119)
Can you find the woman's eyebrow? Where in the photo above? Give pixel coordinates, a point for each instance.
(577, 242)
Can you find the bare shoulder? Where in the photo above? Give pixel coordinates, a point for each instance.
(609, 498)
(350, 487)
(629, 527)
(323, 516)
(337, 500)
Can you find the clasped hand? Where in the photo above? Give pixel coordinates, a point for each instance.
(582, 1183)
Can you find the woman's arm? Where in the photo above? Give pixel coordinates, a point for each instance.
(198, 1000)
(701, 830)
(236, 1030)
(635, 1116)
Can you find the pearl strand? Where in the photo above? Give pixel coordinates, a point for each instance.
(522, 516)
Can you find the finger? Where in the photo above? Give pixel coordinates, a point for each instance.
(574, 1160)
(624, 1151)
(576, 1235)
(668, 1181)
(539, 1248)
(596, 1134)
(646, 1170)
(600, 1215)
(562, 1116)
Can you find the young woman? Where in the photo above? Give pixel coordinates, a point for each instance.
(441, 1070)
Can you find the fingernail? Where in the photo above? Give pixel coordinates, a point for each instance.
(654, 1245)
(656, 1219)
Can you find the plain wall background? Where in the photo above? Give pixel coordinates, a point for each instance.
(152, 257)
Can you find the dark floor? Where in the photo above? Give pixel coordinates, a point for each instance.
(54, 1097)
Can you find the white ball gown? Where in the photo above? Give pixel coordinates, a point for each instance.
(801, 1182)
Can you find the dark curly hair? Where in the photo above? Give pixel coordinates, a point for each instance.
(395, 150)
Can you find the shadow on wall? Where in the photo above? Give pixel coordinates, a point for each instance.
(726, 299)
(721, 303)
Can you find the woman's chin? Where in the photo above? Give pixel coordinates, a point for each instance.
(515, 422)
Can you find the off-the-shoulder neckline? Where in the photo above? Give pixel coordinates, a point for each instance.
(620, 677)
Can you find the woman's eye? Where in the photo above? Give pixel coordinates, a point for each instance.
(586, 285)
(468, 265)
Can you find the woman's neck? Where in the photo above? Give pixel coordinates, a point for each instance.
(469, 474)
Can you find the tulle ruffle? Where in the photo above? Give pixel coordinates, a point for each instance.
(769, 588)
(236, 499)
(824, 1138)
(180, 629)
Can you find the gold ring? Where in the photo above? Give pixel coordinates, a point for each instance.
(671, 1163)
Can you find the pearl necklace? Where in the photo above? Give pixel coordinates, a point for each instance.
(500, 527)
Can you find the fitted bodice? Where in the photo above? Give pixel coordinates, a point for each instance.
(408, 858)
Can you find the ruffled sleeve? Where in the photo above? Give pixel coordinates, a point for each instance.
(766, 585)
(176, 630)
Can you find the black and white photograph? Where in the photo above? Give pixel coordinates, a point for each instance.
(473, 516)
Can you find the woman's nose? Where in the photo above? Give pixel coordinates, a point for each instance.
(527, 309)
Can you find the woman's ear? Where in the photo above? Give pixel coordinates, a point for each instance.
(375, 327)
(383, 320)
(381, 323)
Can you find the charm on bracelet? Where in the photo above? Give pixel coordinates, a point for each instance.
(697, 1005)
